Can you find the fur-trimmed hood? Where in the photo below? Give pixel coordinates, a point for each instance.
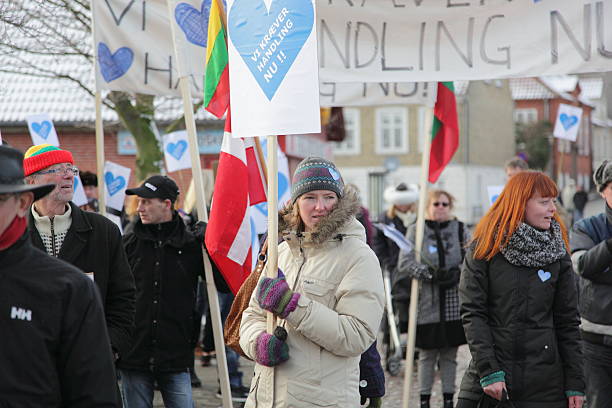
(333, 226)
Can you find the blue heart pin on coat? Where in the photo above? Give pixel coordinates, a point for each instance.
(543, 275)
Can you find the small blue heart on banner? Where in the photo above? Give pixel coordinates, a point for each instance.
(568, 121)
(543, 275)
(193, 22)
(113, 66)
(42, 129)
(177, 149)
(269, 41)
(113, 184)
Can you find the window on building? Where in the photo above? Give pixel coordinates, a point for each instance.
(391, 130)
(526, 116)
(352, 140)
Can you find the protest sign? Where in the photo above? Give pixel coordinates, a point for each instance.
(568, 122)
(116, 178)
(176, 151)
(273, 67)
(42, 130)
(79, 198)
(134, 50)
(377, 93)
(416, 40)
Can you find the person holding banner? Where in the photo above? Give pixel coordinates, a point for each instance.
(439, 330)
(328, 296)
(519, 304)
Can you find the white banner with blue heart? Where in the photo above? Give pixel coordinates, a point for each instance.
(79, 198)
(273, 67)
(176, 151)
(116, 179)
(134, 46)
(568, 122)
(42, 130)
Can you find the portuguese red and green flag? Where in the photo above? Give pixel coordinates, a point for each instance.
(445, 130)
(216, 81)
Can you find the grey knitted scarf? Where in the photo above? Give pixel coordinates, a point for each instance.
(534, 248)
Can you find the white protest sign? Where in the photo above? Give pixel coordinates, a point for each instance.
(568, 122)
(176, 151)
(79, 198)
(259, 212)
(116, 178)
(381, 93)
(115, 219)
(493, 192)
(42, 130)
(273, 67)
(417, 41)
(134, 47)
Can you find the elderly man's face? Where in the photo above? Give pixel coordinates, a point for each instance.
(62, 175)
(12, 205)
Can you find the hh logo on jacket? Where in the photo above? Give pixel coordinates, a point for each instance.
(21, 314)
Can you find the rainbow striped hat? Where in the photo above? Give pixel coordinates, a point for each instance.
(42, 156)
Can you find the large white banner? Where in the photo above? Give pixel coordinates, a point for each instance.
(444, 40)
(377, 93)
(272, 52)
(134, 50)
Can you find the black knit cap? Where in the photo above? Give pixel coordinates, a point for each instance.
(316, 173)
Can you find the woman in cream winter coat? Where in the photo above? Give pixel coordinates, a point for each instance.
(329, 301)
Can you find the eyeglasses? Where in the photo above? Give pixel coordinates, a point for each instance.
(437, 204)
(61, 170)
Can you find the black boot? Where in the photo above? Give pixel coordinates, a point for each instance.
(425, 400)
(448, 400)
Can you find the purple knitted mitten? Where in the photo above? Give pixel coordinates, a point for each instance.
(270, 350)
(275, 296)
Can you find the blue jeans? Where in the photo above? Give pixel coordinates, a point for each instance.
(235, 376)
(137, 389)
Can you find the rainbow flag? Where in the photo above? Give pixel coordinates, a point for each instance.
(216, 81)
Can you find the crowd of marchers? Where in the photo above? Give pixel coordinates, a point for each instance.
(91, 317)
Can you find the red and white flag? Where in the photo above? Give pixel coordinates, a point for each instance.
(239, 184)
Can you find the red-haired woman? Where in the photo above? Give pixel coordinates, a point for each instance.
(518, 302)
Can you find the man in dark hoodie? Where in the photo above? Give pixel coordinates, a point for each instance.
(591, 243)
(166, 260)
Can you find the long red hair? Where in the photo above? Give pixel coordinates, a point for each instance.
(499, 223)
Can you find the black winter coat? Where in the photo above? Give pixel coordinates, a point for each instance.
(54, 348)
(525, 323)
(93, 244)
(166, 261)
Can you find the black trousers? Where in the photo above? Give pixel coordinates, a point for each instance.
(598, 374)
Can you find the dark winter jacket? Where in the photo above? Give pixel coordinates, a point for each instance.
(522, 321)
(166, 261)
(385, 249)
(54, 347)
(591, 243)
(93, 244)
(438, 319)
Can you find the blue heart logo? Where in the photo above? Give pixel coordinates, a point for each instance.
(193, 22)
(335, 175)
(177, 149)
(113, 66)
(113, 184)
(568, 121)
(269, 41)
(42, 129)
(544, 276)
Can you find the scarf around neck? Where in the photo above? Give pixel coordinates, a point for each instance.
(12, 232)
(534, 248)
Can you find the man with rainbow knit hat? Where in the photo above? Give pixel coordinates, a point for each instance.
(86, 240)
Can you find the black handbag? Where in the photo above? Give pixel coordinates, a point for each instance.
(488, 402)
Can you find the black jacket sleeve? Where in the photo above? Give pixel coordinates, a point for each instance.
(594, 263)
(121, 297)
(473, 298)
(85, 363)
(565, 315)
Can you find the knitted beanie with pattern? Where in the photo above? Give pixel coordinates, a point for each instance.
(316, 173)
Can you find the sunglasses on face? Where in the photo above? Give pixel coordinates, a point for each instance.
(61, 170)
(437, 204)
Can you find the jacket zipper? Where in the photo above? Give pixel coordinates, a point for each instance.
(52, 238)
